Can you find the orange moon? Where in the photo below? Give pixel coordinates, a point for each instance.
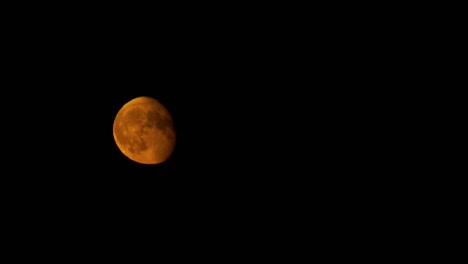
(144, 131)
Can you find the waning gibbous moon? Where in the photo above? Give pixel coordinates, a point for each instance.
(144, 131)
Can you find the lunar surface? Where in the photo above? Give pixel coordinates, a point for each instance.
(144, 131)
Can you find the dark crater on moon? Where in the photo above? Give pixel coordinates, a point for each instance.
(155, 118)
(134, 116)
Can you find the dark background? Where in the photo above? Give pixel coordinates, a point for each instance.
(273, 119)
(256, 102)
(222, 82)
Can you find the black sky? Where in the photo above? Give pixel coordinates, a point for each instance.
(234, 91)
(258, 109)
(287, 125)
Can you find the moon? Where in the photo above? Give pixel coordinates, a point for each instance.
(144, 131)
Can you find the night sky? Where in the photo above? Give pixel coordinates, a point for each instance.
(230, 97)
(238, 115)
(287, 125)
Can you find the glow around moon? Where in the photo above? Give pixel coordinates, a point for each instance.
(144, 131)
